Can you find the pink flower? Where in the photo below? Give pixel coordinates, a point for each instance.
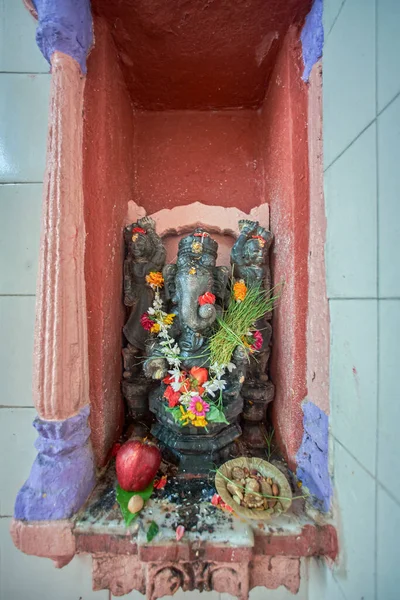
(146, 322)
(215, 500)
(198, 406)
(258, 340)
(179, 531)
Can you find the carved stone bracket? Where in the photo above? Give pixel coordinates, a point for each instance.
(122, 574)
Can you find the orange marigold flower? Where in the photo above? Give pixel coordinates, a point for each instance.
(155, 279)
(239, 290)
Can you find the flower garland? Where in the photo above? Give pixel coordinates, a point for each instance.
(194, 397)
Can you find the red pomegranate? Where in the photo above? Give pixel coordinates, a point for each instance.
(137, 463)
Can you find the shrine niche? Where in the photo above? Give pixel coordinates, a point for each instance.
(175, 333)
(177, 187)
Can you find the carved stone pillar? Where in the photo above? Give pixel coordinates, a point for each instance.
(63, 473)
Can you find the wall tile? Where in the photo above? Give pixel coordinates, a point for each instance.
(18, 49)
(331, 11)
(17, 319)
(350, 200)
(322, 583)
(349, 76)
(24, 577)
(388, 572)
(389, 400)
(20, 210)
(17, 436)
(356, 496)
(388, 50)
(23, 127)
(389, 195)
(354, 377)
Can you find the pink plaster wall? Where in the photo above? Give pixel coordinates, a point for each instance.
(231, 158)
(211, 157)
(285, 153)
(108, 185)
(188, 54)
(318, 306)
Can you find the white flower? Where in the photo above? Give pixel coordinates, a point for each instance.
(219, 370)
(151, 311)
(230, 366)
(175, 362)
(185, 399)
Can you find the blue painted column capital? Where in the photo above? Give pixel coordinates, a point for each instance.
(312, 38)
(66, 26)
(63, 474)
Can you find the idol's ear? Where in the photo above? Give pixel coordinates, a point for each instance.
(221, 278)
(169, 274)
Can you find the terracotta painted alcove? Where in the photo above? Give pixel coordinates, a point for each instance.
(166, 146)
(183, 107)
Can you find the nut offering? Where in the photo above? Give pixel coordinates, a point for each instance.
(254, 491)
(253, 487)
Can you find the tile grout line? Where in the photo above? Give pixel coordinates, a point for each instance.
(20, 183)
(25, 73)
(378, 114)
(16, 406)
(378, 482)
(334, 20)
(354, 457)
(339, 299)
(350, 144)
(17, 295)
(377, 307)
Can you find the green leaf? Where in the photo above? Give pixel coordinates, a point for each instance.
(123, 498)
(152, 532)
(215, 415)
(175, 412)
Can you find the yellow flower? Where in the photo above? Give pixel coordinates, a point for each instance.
(200, 422)
(169, 319)
(155, 279)
(239, 290)
(245, 342)
(155, 328)
(189, 418)
(192, 271)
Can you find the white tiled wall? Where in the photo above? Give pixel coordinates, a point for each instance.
(362, 196)
(362, 189)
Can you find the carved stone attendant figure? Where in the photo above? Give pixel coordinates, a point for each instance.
(145, 254)
(250, 260)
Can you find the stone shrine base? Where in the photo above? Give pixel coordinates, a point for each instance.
(218, 550)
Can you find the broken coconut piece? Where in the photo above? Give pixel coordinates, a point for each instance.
(252, 485)
(235, 490)
(252, 501)
(135, 504)
(238, 473)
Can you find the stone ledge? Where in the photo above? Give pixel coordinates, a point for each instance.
(122, 562)
(218, 551)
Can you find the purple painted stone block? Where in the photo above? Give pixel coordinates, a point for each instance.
(312, 38)
(312, 457)
(66, 26)
(63, 474)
